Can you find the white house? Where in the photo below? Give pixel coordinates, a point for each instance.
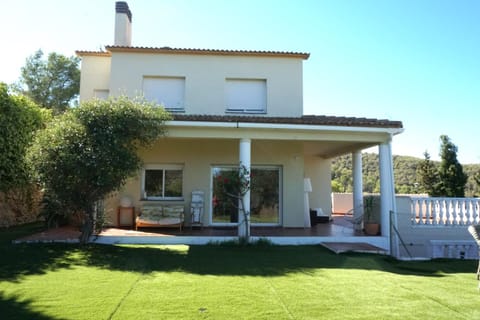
(232, 107)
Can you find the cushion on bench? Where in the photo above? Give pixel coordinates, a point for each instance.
(159, 215)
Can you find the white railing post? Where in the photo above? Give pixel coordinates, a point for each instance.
(412, 211)
(475, 211)
(444, 211)
(471, 212)
(463, 209)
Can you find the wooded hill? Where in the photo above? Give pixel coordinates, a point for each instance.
(405, 171)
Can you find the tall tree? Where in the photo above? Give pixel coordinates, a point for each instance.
(477, 178)
(90, 151)
(19, 118)
(53, 83)
(451, 174)
(427, 176)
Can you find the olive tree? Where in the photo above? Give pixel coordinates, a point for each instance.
(90, 151)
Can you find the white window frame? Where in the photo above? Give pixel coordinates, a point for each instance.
(244, 95)
(177, 85)
(164, 167)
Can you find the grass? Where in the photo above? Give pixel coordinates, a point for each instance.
(59, 281)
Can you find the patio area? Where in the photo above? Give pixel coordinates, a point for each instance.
(339, 227)
(337, 235)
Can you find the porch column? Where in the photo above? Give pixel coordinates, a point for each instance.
(357, 188)
(387, 186)
(244, 219)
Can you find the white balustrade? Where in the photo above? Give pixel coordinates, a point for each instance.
(427, 211)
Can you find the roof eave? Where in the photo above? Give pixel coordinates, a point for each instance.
(188, 51)
(83, 53)
(282, 126)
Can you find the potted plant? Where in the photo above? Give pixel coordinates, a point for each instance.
(371, 224)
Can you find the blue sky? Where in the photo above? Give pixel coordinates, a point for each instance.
(417, 61)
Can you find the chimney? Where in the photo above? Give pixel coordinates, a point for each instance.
(123, 24)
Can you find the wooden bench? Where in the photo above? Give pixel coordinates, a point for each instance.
(160, 215)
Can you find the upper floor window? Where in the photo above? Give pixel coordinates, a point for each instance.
(167, 91)
(246, 95)
(162, 182)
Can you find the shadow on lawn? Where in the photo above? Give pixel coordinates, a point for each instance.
(13, 307)
(20, 260)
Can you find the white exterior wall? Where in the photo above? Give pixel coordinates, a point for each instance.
(319, 171)
(342, 202)
(205, 79)
(420, 240)
(427, 241)
(199, 155)
(95, 75)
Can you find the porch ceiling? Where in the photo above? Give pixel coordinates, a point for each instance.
(330, 149)
(320, 141)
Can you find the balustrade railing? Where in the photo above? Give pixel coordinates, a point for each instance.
(445, 211)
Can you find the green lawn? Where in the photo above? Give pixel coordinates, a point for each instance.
(226, 282)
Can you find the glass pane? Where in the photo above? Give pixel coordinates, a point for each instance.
(224, 203)
(173, 183)
(153, 183)
(264, 195)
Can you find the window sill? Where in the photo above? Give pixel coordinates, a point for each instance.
(164, 199)
(175, 110)
(245, 111)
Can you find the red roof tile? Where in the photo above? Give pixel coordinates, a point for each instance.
(93, 53)
(168, 50)
(304, 120)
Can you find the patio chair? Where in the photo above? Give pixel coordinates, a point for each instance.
(196, 208)
(475, 232)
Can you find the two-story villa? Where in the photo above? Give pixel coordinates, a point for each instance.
(232, 107)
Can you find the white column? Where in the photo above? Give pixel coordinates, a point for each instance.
(387, 186)
(307, 188)
(357, 187)
(245, 161)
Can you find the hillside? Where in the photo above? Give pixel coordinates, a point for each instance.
(405, 168)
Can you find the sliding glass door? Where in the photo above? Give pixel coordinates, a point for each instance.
(264, 195)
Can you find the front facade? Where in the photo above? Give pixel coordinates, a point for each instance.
(232, 107)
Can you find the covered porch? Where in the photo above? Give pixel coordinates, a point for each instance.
(201, 149)
(338, 230)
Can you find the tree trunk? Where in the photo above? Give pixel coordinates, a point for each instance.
(87, 228)
(243, 223)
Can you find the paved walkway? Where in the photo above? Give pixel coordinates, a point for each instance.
(63, 234)
(341, 247)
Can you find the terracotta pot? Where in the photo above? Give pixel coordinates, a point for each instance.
(372, 229)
